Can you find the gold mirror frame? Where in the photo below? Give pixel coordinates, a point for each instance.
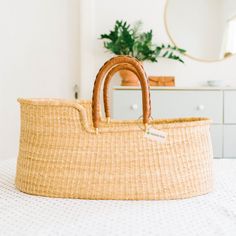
(186, 54)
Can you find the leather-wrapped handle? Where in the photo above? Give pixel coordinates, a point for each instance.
(108, 78)
(105, 69)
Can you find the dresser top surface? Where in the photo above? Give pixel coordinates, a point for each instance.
(176, 88)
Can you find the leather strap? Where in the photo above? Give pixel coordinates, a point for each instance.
(105, 69)
(107, 83)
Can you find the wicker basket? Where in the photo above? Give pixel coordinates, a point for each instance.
(67, 150)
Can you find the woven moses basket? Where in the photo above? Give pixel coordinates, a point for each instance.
(67, 150)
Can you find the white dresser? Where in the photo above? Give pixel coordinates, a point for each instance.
(219, 104)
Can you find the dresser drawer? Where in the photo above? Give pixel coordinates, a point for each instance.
(127, 104)
(229, 107)
(217, 140)
(169, 104)
(229, 141)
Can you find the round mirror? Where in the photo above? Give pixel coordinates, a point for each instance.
(206, 29)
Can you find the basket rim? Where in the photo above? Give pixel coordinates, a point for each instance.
(115, 125)
(171, 123)
(51, 101)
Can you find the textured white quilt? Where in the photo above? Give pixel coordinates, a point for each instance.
(212, 214)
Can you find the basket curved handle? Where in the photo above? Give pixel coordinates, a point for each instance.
(106, 68)
(107, 81)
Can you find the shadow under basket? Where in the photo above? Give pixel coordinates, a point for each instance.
(68, 151)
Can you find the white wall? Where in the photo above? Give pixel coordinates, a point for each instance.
(39, 57)
(151, 13)
(229, 9)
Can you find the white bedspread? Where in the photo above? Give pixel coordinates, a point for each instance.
(212, 214)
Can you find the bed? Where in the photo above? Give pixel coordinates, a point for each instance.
(211, 214)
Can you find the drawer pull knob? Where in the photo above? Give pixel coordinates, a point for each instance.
(134, 107)
(200, 107)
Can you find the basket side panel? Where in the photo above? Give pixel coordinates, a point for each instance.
(58, 159)
(47, 140)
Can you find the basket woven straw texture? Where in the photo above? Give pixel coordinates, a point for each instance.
(67, 152)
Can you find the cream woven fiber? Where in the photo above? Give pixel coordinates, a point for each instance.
(61, 155)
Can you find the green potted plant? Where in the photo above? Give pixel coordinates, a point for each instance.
(125, 39)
